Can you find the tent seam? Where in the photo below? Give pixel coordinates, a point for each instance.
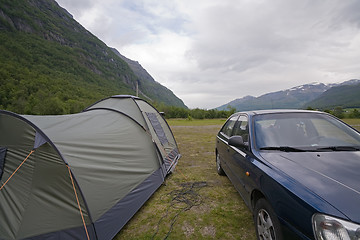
(117, 111)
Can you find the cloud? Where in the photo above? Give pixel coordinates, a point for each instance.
(77, 7)
(126, 21)
(209, 52)
(252, 35)
(277, 44)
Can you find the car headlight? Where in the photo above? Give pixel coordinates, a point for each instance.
(331, 228)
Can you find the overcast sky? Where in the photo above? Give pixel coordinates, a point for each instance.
(210, 52)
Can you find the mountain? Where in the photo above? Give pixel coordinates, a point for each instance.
(345, 96)
(154, 90)
(239, 102)
(293, 98)
(50, 64)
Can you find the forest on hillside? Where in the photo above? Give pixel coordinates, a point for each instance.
(50, 64)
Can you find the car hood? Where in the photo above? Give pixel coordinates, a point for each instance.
(334, 176)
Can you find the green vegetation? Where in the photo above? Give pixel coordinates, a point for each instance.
(352, 113)
(33, 81)
(197, 113)
(50, 64)
(190, 114)
(344, 96)
(342, 113)
(218, 211)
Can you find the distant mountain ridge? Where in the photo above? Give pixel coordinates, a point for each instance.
(302, 96)
(50, 64)
(344, 95)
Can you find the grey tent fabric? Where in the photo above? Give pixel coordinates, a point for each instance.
(2, 160)
(109, 155)
(128, 105)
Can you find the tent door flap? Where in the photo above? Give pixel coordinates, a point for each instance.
(2, 160)
(157, 127)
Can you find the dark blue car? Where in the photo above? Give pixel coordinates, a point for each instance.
(298, 172)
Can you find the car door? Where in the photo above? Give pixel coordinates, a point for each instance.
(237, 161)
(222, 141)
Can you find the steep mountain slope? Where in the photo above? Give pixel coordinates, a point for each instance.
(154, 90)
(301, 97)
(50, 64)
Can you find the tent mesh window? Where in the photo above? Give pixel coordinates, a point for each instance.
(158, 128)
(2, 160)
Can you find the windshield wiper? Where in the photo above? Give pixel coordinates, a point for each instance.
(284, 149)
(339, 148)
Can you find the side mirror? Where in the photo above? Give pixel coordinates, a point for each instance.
(238, 142)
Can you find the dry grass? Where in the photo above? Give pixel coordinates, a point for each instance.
(354, 122)
(221, 213)
(218, 211)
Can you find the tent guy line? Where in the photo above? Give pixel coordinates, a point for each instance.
(31, 152)
(78, 203)
(117, 152)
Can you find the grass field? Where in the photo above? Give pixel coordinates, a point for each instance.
(208, 206)
(195, 202)
(354, 122)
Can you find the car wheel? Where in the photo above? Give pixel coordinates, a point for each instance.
(267, 225)
(219, 169)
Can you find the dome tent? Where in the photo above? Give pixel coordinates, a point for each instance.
(81, 176)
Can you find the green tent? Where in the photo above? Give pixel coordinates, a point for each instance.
(81, 176)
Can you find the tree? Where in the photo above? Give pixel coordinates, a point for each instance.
(354, 114)
(338, 112)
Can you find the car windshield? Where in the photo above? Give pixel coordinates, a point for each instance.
(303, 131)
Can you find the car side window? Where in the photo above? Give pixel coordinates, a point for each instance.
(229, 126)
(242, 128)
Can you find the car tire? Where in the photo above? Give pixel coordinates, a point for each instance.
(267, 225)
(219, 169)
